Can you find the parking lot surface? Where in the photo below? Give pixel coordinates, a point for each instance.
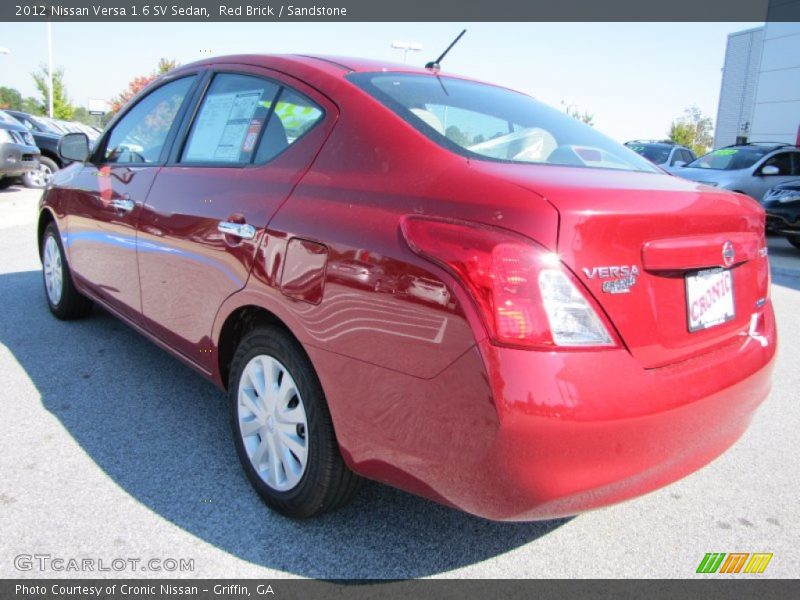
(113, 449)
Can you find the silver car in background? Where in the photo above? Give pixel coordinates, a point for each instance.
(751, 168)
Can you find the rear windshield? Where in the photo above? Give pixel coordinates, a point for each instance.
(652, 152)
(493, 123)
(729, 159)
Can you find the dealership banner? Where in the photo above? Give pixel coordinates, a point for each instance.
(408, 10)
(294, 589)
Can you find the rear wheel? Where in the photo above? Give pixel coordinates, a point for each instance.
(794, 240)
(64, 300)
(282, 428)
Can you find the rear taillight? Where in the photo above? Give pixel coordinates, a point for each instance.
(525, 295)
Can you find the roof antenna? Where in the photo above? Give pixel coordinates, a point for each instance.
(435, 65)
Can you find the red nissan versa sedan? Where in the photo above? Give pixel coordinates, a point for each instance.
(420, 279)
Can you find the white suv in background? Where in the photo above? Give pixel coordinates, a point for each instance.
(751, 169)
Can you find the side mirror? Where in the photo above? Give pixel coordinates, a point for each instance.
(74, 147)
(679, 163)
(770, 170)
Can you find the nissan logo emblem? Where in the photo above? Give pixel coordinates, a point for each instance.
(728, 253)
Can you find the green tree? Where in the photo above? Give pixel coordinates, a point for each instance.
(10, 98)
(693, 130)
(165, 65)
(456, 135)
(62, 108)
(572, 111)
(137, 84)
(81, 115)
(32, 106)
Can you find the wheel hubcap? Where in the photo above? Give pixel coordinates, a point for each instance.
(53, 271)
(272, 423)
(41, 176)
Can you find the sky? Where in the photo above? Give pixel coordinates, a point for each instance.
(635, 78)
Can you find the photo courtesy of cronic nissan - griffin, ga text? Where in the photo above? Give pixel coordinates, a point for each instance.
(424, 280)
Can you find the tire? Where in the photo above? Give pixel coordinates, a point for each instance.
(794, 240)
(64, 300)
(41, 177)
(295, 421)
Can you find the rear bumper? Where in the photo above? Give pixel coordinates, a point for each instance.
(512, 434)
(600, 429)
(16, 159)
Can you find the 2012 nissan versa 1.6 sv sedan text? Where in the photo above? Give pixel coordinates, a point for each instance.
(420, 279)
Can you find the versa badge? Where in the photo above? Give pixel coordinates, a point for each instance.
(621, 278)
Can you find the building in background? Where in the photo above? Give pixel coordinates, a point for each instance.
(760, 94)
(739, 81)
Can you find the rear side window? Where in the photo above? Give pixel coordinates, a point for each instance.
(293, 116)
(245, 119)
(140, 135)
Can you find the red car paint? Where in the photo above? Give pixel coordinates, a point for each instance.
(422, 396)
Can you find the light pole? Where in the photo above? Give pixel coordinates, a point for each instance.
(50, 68)
(406, 47)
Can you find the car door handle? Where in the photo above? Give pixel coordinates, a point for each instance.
(123, 205)
(240, 230)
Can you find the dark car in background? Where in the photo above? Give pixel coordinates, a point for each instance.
(46, 138)
(782, 204)
(18, 152)
(664, 153)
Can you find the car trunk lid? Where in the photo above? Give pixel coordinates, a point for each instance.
(633, 238)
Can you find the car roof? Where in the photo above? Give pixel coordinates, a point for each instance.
(794, 184)
(317, 70)
(765, 146)
(320, 63)
(669, 143)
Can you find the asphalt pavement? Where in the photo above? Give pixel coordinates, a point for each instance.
(111, 449)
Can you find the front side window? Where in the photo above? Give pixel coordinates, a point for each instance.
(487, 122)
(140, 135)
(783, 161)
(245, 119)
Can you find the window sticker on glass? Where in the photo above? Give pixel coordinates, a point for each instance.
(222, 127)
(252, 135)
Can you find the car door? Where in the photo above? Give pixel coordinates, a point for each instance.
(253, 135)
(760, 184)
(107, 193)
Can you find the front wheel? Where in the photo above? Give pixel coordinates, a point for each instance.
(794, 240)
(64, 300)
(282, 428)
(39, 178)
